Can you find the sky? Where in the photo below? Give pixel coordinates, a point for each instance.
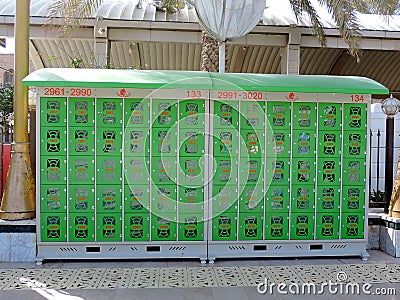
(9, 47)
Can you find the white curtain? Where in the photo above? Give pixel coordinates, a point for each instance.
(229, 19)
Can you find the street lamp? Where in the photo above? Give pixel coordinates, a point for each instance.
(390, 107)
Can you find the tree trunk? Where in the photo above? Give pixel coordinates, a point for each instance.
(210, 53)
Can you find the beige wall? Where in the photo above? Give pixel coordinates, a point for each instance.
(7, 62)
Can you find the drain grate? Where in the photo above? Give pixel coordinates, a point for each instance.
(187, 277)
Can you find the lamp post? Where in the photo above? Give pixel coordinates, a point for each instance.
(390, 107)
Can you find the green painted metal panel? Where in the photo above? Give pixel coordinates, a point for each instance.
(53, 170)
(164, 141)
(277, 199)
(163, 198)
(302, 226)
(352, 225)
(81, 198)
(136, 198)
(53, 227)
(355, 116)
(81, 141)
(191, 200)
(192, 114)
(163, 227)
(225, 199)
(136, 170)
(108, 227)
(190, 227)
(81, 170)
(250, 226)
(304, 143)
(277, 226)
(137, 113)
(252, 115)
(224, 227)
(53, 112)
(81, 112)
(53, 141)
(353, 199)
(226, 142)
(109, 112)
(353, 171)
(108, 170)
(303, 171)
(137, 227)
(191, 142)
(108, 198)
(251, 198)
(109, 141)
(328, 199)
(252, 143)
(329, 144)
(136, 141)
(278, 171)
(279, 115)
(303, 198)
(226, 115)
(225, 170)
(191, 171)
(355, 144)
(328, 171)
(96, 78)
(327, 226)
(164, 170)
(164, 112)
(53, 198)
(251, 171)
(278, 143)
(304, 116)
(81, 227)
(329, 116)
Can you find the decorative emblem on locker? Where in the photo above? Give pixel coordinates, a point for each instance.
(53, 227)
(304, 168)
(329, 143)
(251, 198)
(355, 117)
(53, 112)
(225, 166)
(164, 167)
(328, 170)
(327, 225)
(109, 112)
(81, 141)
(137, 142)
(253, 168)
(302, 225)
(224, 226)
(277, 198)
(191, 194)
(81, 227)
(163, 228)
(292, 97)
(81, 167)
(304, 118)
(225, 145)
(53, 198)
(191, 146)
(192, 116)
(136, 197)
(53, 141)
(109, 201)
(252, 119)
(109, 137)
(279, 143)
(279, 175)
(123, 93)
(109, 227)
(81, 199)
(226, 199)
(53, 169)
(137, 168)
(328, 200)
(354, 168)
(354, 144)
(137, 109)
(190, 225)
(250, 226)
(136, 227)
(279, 115)
(164, 197)
(353, 195)
(108, 170)
(225, 116)
(352, 225)
(81, 112)
(330, 116)
(277, 226)
(303, 198)
(252, 143)
(164, 141)
(164, 110)
(304, 146)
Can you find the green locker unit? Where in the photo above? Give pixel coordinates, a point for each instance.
(171, 164)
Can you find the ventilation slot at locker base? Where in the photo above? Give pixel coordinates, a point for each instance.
(92, 249)
(338, 246)
(68, 249)
(315, 247)
(153, 249)
(260, 248)
(232, 247)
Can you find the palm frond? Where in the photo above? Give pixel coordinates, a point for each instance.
(380, 7)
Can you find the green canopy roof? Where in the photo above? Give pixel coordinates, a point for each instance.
(104, 78)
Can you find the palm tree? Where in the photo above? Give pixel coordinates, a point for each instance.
(72, 12)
